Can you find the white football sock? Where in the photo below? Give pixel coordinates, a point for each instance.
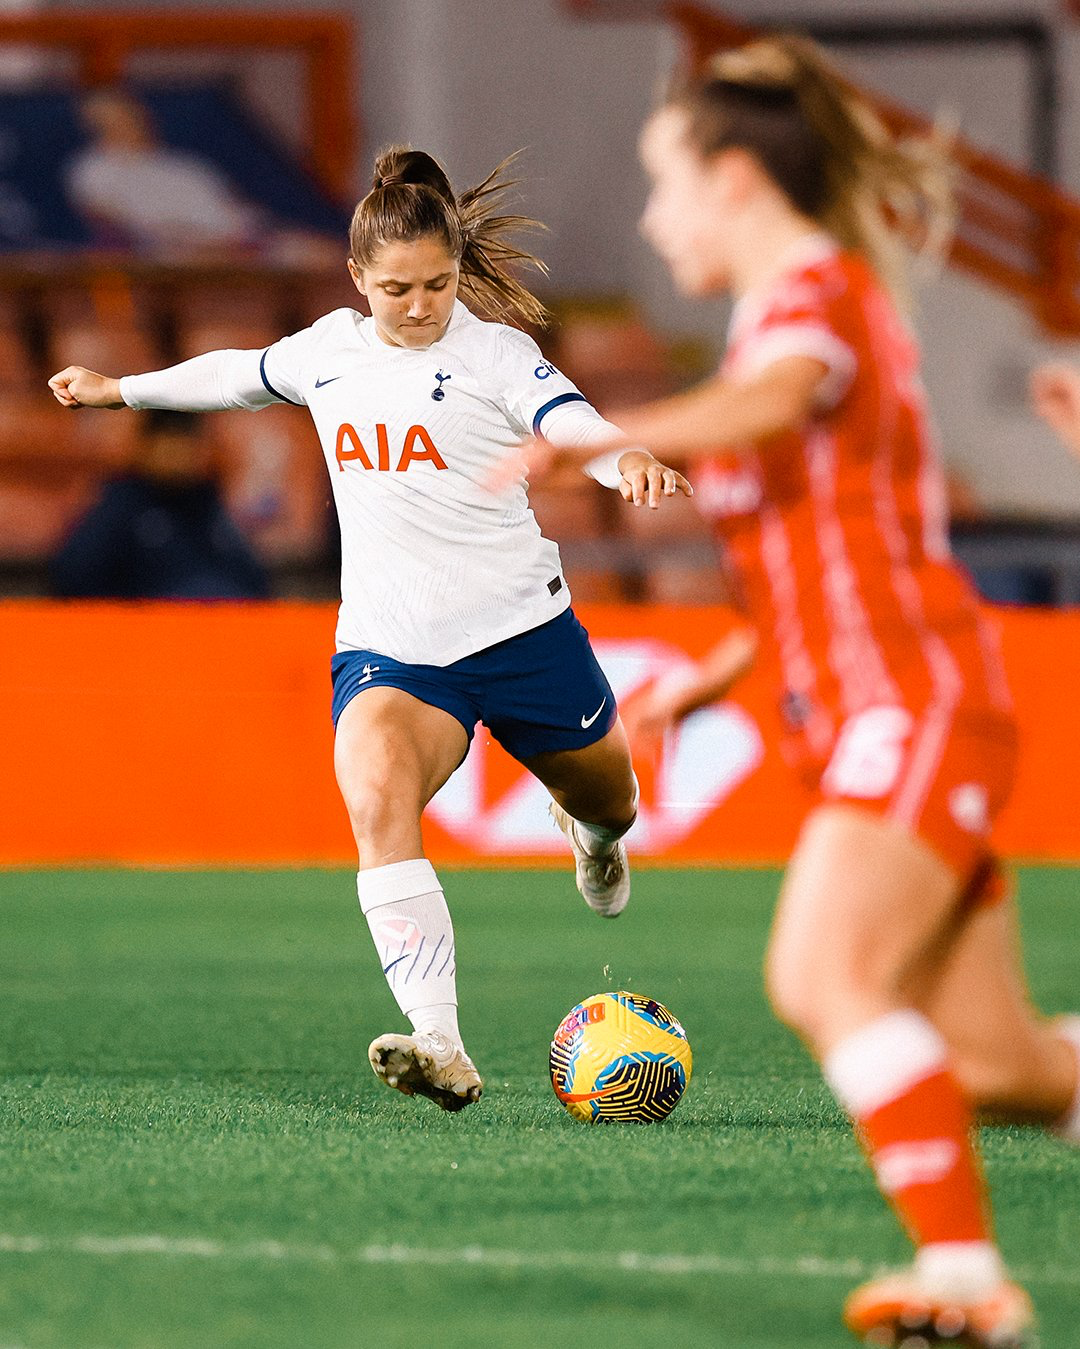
(598, 841)
(1068, 1027)
(410, 925)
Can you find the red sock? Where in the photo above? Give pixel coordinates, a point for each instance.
(920, 1148)
(893, 1078)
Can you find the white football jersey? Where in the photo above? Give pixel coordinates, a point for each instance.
(435, 565)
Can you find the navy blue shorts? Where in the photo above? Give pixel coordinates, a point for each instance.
(538, 692)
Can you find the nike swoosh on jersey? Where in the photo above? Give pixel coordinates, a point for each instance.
(586, 722)
(320, 382)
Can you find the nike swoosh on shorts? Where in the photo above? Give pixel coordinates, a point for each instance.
(320, 382)
(586, 722)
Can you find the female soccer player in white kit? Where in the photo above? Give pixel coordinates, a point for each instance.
(454, 607)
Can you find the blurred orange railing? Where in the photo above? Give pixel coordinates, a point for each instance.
(103, 42)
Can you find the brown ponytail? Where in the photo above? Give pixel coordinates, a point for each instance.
(781, 99)
(411, 198)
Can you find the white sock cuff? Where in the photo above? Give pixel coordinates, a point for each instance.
(959, 1269)
(394, 882)
(1068, 1027)
(879, 1062)
(441, 1017)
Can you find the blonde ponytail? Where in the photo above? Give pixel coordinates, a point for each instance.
(784, 101)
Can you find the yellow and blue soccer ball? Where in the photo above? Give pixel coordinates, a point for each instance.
(620, 1058)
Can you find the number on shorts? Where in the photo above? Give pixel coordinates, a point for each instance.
(869, 753)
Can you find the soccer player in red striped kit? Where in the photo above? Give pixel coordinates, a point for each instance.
(894, 952)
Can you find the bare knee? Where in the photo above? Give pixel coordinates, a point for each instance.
(392, 753)
(384, 815)
(794, 998)
(824, 1001)
(372, 810)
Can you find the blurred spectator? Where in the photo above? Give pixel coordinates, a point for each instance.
(142, 194)
(160, 530)
(1055, 395)
(169, 204)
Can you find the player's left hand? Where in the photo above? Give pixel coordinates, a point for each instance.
(646, 481)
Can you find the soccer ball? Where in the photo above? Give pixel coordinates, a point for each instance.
(620, 1057)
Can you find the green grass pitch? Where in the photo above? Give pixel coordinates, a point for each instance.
(195, 1152)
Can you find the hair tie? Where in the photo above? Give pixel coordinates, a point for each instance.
(759, 65)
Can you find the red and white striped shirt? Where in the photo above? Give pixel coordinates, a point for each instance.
(838, 530)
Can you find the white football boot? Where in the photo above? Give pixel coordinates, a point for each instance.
(427, 1064)
(604, 882)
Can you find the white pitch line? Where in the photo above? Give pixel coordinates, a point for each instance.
(477, 1257)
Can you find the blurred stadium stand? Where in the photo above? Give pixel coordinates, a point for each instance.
(67, 298)
(45, 134)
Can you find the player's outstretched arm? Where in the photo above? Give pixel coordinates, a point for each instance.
(690, 425)
(77, 387)
(718, 411)
(649, 715)
(214, 382)
(1055, 396)
(577, 430)
(639, 477)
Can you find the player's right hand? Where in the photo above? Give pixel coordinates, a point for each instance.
(1055, 396)
(77, 387)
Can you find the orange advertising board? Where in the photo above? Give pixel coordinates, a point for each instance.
(200, 735)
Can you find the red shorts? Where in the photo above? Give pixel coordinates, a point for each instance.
(943, 773)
